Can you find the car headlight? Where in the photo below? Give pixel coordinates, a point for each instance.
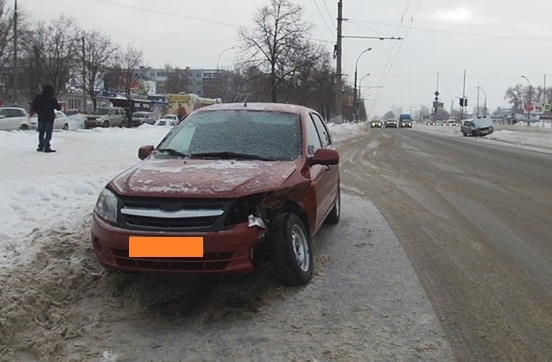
(106, 206)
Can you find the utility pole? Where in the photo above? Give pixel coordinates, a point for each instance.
(478, 100)
(338, 108)
(544, 98)
(463, 97)
(436, 102)
(15, 55)
(83, 77)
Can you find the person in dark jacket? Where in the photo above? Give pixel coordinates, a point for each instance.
(44, 105)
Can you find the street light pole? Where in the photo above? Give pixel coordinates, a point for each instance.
(355, 87)
(484, 103)
(359, 91)
(220, 55)
(530, 104)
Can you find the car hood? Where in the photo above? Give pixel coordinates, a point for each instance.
(202, 178)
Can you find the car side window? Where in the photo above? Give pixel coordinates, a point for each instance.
(322, 130)
(314, 141)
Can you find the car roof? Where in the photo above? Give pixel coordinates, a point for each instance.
(18, 108)
(257, 106)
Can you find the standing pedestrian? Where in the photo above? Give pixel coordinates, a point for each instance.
(45, 105)
(181, 114)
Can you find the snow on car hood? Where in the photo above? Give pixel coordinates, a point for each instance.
(201, 178)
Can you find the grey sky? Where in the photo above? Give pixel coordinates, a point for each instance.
(496, 42)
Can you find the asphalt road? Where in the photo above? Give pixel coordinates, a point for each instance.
(475, 220)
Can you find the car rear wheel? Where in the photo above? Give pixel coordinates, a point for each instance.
(24, 127)
(334, 215)
(292, 254)
(65, 127)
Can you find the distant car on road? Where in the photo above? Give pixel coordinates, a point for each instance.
(452, 122)
(106, 117)
(167, 120)
(15, 118)
(481, 126)
(376, 124)
(391, 123)
(405, 123)
(139, 118)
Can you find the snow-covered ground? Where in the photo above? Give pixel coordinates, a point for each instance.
(518, 135)
(43, 191)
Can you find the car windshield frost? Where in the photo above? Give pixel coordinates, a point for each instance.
(237, 134)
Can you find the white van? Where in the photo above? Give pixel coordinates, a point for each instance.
(480, 126)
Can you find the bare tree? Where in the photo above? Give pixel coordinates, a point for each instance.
(95, 54)
(126, 68)
(6, 34)
(7, 47)
(54, 48)
(279, 36)
(178, 80)
(515, 96)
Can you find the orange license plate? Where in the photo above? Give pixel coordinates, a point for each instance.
(165, 247)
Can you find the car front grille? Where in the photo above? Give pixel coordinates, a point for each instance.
(209, 262)
(173, 215)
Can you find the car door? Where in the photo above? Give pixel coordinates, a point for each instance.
(6, 124)
(326, 177)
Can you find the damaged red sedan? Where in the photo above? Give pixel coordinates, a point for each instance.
(229, 184)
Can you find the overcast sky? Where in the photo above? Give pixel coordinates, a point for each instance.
(494, 41)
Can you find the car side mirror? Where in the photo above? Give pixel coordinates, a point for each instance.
(145, 151)
(324, 156)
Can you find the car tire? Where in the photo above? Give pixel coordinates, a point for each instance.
(464, 133)
(105, 124)
(66, 127)
(292, 253)
(24, 127)
(334, 215)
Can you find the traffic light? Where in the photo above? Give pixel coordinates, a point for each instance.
(461, 100)
(466, 102)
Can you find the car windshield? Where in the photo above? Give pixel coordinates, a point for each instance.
(237, 134)
(101, 111)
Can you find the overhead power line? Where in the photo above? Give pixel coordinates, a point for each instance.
(167, 14)
(458, 32)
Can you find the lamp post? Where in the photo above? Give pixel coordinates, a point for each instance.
(355, 88)
(484, 103)
(359, 92)
(220, 55)
(529, 105)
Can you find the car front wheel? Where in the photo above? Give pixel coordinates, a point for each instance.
(105, 124)
(292, 253)
(65, 127)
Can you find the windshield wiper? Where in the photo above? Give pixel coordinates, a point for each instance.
(172, 152)
(227, 155)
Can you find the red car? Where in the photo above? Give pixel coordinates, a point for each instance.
(231, 183)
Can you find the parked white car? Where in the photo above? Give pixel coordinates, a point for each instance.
(167, 120)
(14, 118)
(61, 122)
